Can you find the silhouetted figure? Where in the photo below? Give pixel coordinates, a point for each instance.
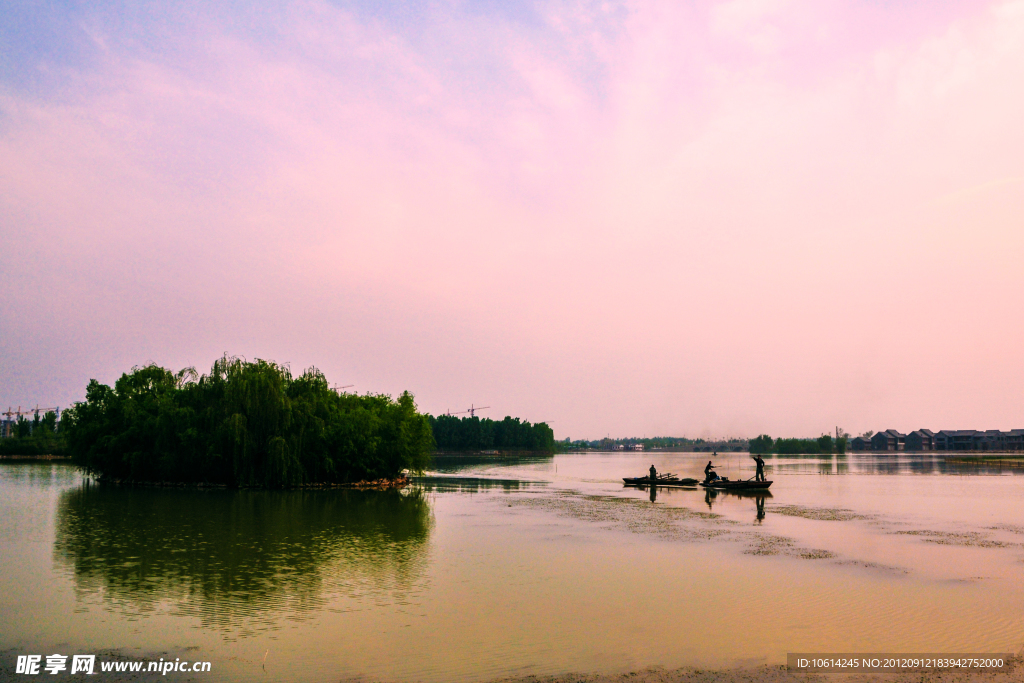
(759, 475)
(759, 501)
(654, 493)
(709, 472)
(654, 474)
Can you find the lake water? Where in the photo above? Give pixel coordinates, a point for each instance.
(492, 567)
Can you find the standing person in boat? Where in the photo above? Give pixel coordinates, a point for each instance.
(654, 474)
(709, 472)
(759, 475)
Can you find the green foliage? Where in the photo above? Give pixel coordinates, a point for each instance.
(660, 443)
(31, 445)
(246, 424)
(823, 444)
(795, 446)
(473, 433)
(38, 436)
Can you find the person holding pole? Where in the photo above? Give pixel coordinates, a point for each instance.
(759, 475)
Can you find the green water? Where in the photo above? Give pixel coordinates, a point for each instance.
(498, 567)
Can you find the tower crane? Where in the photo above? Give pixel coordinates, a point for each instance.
(472, 410)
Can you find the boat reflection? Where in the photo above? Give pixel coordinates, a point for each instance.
(711, 497)
(240, 561)
(653, 490)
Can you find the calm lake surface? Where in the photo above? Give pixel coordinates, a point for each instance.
(496, 567)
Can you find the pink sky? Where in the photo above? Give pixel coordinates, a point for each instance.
(710, 219)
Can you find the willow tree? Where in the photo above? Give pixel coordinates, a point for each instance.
(245, 424)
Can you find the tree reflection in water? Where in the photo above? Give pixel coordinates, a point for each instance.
(241, 561)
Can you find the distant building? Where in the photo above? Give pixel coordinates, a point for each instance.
(861, 443)
(923, 440)
(955, 440)
(920, 440)
(889, 440)
(1014, 440)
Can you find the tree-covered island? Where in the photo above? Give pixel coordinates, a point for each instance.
(245, 424)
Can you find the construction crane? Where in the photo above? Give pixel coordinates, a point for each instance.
(14, 415)
(8, 423)
(338, 389)
(472, 411)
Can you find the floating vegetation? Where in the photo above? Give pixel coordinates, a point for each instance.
(873, 565)
(972, 539)
(674, 523)
(824, 514)
(767, 544)
(633, 515)
(1008, 460)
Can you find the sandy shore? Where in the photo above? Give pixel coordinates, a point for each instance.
(776, 674)
(763, 674)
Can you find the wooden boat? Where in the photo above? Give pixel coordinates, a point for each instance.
(746, 485)
(667, 481)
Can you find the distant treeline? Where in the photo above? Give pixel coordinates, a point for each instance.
(246, 424)
(823, 444)
(38, 436)
(475, 434)
(40, 426)
(664, 443)
(31, 445)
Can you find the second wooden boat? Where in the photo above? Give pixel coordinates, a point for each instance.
(646, 481)
(747, 485)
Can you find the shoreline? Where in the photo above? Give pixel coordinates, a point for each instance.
(41, 458)
(492, 453)
(398, 482)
